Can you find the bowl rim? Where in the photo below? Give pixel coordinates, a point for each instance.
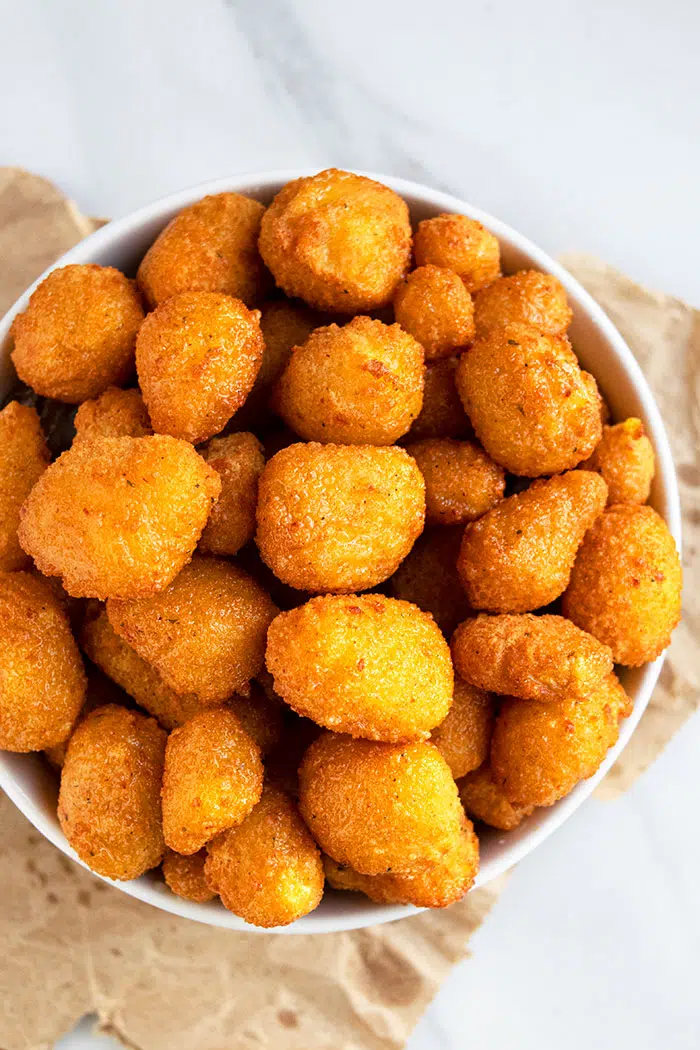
(362, 912)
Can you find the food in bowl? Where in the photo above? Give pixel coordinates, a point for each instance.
(365, 753)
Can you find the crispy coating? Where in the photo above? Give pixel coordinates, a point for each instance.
(78, 333)
(624, 456)
(185, 876)
(118, 517)
(463, 245)
(238, 459)
(462, 482)
(442, 414)
(261, 717)
(338, 241)
(100, 690)
(519, 556)
(433, 304)
(626, 582)
(428, 578)
(539, 752)
(436, 886)
(464, 736)
(212, 778)
(267, 870)
(370, 666)
(336, 517)
(115, 413)
(379, 808)
(205, 633)
(210, 246)
(483, 800)
(23, 459)
(197, 357)
(532, 657)
(533, 409)
(42, 681)
(109, 800)
(361, 384)
(526, 297)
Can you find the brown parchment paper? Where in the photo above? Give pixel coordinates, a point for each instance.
(72, 945)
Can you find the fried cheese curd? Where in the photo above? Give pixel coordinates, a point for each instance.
(539, 752)
(533, 657)
(115, 413)
(359, 384)
(210, 246)
(532, 407)
(435, 886)
(197, 357)
(261, 715)
(268, 869)
(526, 297)
(185, 876)
(464, 735)
(42, 681)
(379, 808)
(238, 459)
(118, 517)
(455, 242)
(624, 457)
(626, 583)
(519, 555)
(213, 777)
(338, 517)
(442, 414)
(370, 666)
(433, 305)
(338, 241)
(205, 633)
(428, 578)
(109, 800)
(462, 482)
(483, 799)
(78, 333)
(23, 459)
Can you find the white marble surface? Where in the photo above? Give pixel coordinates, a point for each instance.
(578, 123)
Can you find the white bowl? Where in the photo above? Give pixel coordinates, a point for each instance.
(602, 351)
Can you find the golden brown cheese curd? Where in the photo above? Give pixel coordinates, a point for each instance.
(361, 384)
(77, 335)
(433, 305)
(483, 800)
(185, 876)
(428, 578)
(338, 517)
(42, 681)
(624, 457)
(338, 241)
(518, 556)
(626, 583)
(533, 657)
(539, 752)
(213, 777)
(458, 243)
(115, 413)
(261, 716)
(238, 459)
(436, 886)
(23, 459)
(118, 517)
(462, 482)
(526, 297)
(205, 633)
(380, 808)
(109, 800)
(464, 735)
(267, 870)
(442, 414)
(533, 409)
(366, 665)
(197, 357)
(210, 246)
